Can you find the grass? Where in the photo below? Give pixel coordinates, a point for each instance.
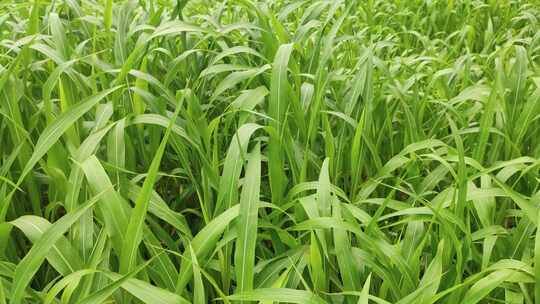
(241, 151)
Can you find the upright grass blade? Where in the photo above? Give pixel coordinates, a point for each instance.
(113, 209)
(203, 242)
(2, 294)
(52, 133)
(364, 296)
(246, 225)
(537, 265)
(233, 166)
(108, 14)
(348, 268)
(116, 152)
(198, 294)
(324, 199)
(136, 221)
(277, 109)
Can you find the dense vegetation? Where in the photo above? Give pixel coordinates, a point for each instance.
(359, 151)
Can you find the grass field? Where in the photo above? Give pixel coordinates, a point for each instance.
(242, 151)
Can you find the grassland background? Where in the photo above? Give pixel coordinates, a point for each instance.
(359, 151)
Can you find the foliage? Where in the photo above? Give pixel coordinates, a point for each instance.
(362, 151)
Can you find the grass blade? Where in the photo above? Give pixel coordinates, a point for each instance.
(31, 262)
(246, 224)
(136, 221)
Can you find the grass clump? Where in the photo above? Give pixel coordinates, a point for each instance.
(269, 151)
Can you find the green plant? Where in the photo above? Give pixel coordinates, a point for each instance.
(160, 151)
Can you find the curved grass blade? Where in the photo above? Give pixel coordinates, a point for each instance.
(52, 133)
(31, 262)
(103, 294)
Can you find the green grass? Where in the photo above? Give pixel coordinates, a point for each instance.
(241, 151)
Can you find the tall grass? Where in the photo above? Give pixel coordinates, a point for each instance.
(362, 151)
